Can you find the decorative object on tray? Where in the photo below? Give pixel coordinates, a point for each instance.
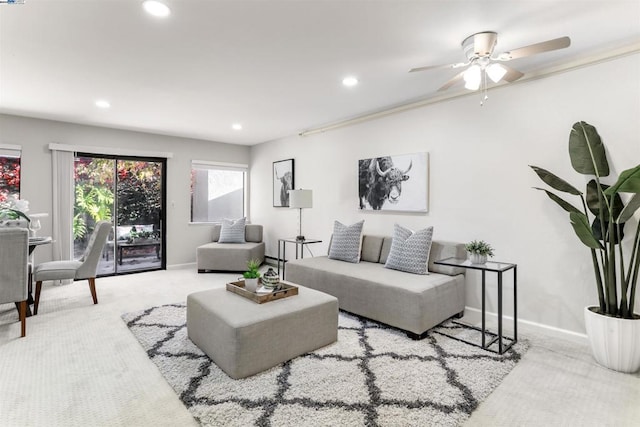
(270, 279)
(478, 251)
(284, 290)
(606, 217)
(252, 275)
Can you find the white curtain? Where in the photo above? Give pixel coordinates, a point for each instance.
(63, 197)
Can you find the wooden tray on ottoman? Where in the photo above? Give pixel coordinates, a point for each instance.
(285, 290)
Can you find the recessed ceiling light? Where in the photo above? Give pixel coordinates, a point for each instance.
(102, 103)
(236, 126)
(350, 81)
(156, 8)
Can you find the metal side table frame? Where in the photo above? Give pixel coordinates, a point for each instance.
(499, 268)
(299, 245)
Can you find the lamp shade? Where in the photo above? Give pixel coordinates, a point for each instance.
(300, 199)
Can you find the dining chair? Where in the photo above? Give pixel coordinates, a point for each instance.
(14, 256)
(84, 268)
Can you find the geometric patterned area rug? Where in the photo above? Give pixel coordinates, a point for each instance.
(374, 375)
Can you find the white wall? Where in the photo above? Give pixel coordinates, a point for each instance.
(34, 136)
(480, 182)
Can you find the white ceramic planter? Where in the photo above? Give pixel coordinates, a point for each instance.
(251, 284)
(615, 343)
(477, 258)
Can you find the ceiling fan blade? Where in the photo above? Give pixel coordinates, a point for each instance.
(559, 43)
(457, 78)
(512, 74)
(436, 67)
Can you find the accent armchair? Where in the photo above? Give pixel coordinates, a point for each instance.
(84, 268)
(216, 256)
(14, 258)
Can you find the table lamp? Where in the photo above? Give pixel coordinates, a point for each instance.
(300, 199)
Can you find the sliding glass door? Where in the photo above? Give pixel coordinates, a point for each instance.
(129, 192)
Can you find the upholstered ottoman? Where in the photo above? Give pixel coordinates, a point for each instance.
(244, 338)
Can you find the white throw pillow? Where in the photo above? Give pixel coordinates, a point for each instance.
(232, 231)
(346, 241)
(410, 250)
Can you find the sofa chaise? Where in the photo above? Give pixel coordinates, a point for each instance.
(411, 302)
(217, 256)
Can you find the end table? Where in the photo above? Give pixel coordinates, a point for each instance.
(499, 268)
(299, 245)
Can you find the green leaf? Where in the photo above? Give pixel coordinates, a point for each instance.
(582, 228)
(563, 204)
(628, 182)
(596, 230)
(630, 209)
(586, 151)
(593, 202)
(555, 182)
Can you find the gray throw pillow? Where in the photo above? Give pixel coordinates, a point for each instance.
(232, 231)
(410, 250)
(346, 241)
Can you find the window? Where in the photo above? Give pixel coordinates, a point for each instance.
(9, 172)
(217, 191)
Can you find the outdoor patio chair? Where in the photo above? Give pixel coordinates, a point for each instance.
(84, 268)
(14, 257)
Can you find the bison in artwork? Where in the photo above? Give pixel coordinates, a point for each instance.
(380, 181)
(285, 186)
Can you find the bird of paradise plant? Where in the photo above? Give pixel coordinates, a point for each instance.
(615, 263)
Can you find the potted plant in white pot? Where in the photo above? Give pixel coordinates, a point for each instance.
(252, 275)
(612, 327)
(478, 251)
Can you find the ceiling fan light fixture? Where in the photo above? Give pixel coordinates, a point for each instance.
(156, 8)
(472, 77)
(496, 72)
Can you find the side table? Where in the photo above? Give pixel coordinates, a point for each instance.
(499, 268)
(299, 245)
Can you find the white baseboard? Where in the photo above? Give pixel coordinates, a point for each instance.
(474, 316)
(181, 266)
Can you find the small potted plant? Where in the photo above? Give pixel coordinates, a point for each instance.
(252, 275)
(478, 251)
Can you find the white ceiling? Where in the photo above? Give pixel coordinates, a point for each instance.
(274, 66)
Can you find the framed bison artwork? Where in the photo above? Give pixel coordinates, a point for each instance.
(394, 183)
(282, 182)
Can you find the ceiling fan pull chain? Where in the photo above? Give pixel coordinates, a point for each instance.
(483, 91)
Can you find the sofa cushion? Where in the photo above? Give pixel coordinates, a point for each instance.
(253, 233)
(410, 250)
(232, 231)
(346, 241)
(371, 247)
(386, 247)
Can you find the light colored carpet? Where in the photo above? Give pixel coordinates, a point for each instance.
(80, 366)
(372, 376)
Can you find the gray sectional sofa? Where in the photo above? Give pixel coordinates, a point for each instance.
(231, 256)
(411, 302)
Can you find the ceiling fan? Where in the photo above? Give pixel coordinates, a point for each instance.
(478, 48)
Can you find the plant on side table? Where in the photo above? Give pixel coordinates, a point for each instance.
(478, 251)
(612, 327)
(252, 275)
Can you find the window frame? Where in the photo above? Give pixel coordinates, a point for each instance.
(213, 165)
(14, 151)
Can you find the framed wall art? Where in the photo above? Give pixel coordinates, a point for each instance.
(283, 181)
(394, 183)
